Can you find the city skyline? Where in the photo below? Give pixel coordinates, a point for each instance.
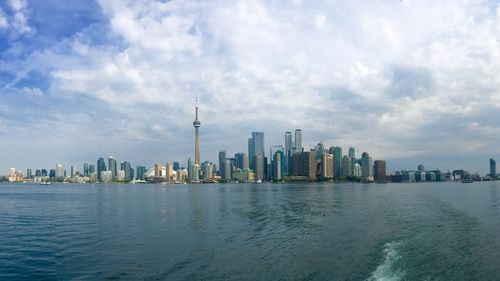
(88, 78)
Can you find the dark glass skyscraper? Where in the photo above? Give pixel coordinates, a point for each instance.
(112, 167)
(222, 158)
(288, 153)
(101, 167)
(256, 147)
(493, 168)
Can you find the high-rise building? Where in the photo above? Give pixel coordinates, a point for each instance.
(304, 165)
(421, 168)
(346, 166)
(176, 166)
(337, 161)
(241, 160)
(128, 170)
(298, 140)
(52, 173)
(38, 173)
(91, 169)
(73, 171)
(326, 166)
(190, 169)
(227, 170)
(259, 167)
(288, 153)
(44, 173)
(101, 167)
(196, 125)
(86, 169)
(278, 165)
(379, 169)
(169, 172)
(256, 147)
(493, 168)
(158, 170)
(140, 171)
(356, 170)
(352, 153)
(112, 167)
(29, 173)
(222, 158)
(366, 165)
(59, 171)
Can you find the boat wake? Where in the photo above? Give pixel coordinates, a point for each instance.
(389, 270)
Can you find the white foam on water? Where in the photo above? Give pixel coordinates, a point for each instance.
(388, 270)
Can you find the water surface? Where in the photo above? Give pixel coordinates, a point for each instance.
(432, 231)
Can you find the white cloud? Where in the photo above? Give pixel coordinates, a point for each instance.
(385, 77)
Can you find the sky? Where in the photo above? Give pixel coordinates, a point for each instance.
(412, 82)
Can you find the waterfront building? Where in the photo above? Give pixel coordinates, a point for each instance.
(256, 147)
(44, 173)
(106, 176)
(176, 166)
(91, 169)
(326, 166)
(319, 149)
(259, 167)
(222, 159)
(243, 175)
(379, 168)
(346, 166)
(337, 158)
(298, 140)
(120, 175)
(493, 168)
(227, 170)
(357, 170)
(158, 170)
(59, 172)
(288, 153)
(112, 167)
(52, 173)
(29, 174)
(304, 165)
(38, 173)
(352, 153)
(86, 171)
(101, 167)
(278, 165)
(420, 168)
(129, 171)
(169, 172)
(367, 166)
(207, 169)
(190, 169)
(140, 172)
(73, 171)
(241, 161)
(196, 173)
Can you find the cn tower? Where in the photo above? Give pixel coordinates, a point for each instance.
(196, 125)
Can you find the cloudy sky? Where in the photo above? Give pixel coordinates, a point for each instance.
(412, 82)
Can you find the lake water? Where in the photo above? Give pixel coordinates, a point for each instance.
(432, 231)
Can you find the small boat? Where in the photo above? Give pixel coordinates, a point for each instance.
(467, 180)
(45, 183)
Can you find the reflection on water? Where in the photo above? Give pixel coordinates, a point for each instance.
(320, 231)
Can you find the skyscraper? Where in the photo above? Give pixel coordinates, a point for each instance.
(86, 169)
(222, 158)
(59, 171)
(288, 153)
(112, 167)
(346, 166)
(366, 165)
(352, 153)
(298, 140)
(278, 165)
(337, 161)
(196, 125)
(256, 147)
(241, 160)
(140, 171)
(379, 170)
(101, 167)
(493, 168)
(326, 165)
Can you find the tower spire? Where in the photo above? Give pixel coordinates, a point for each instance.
(196, 125)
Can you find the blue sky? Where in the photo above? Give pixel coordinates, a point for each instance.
(412, 82)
